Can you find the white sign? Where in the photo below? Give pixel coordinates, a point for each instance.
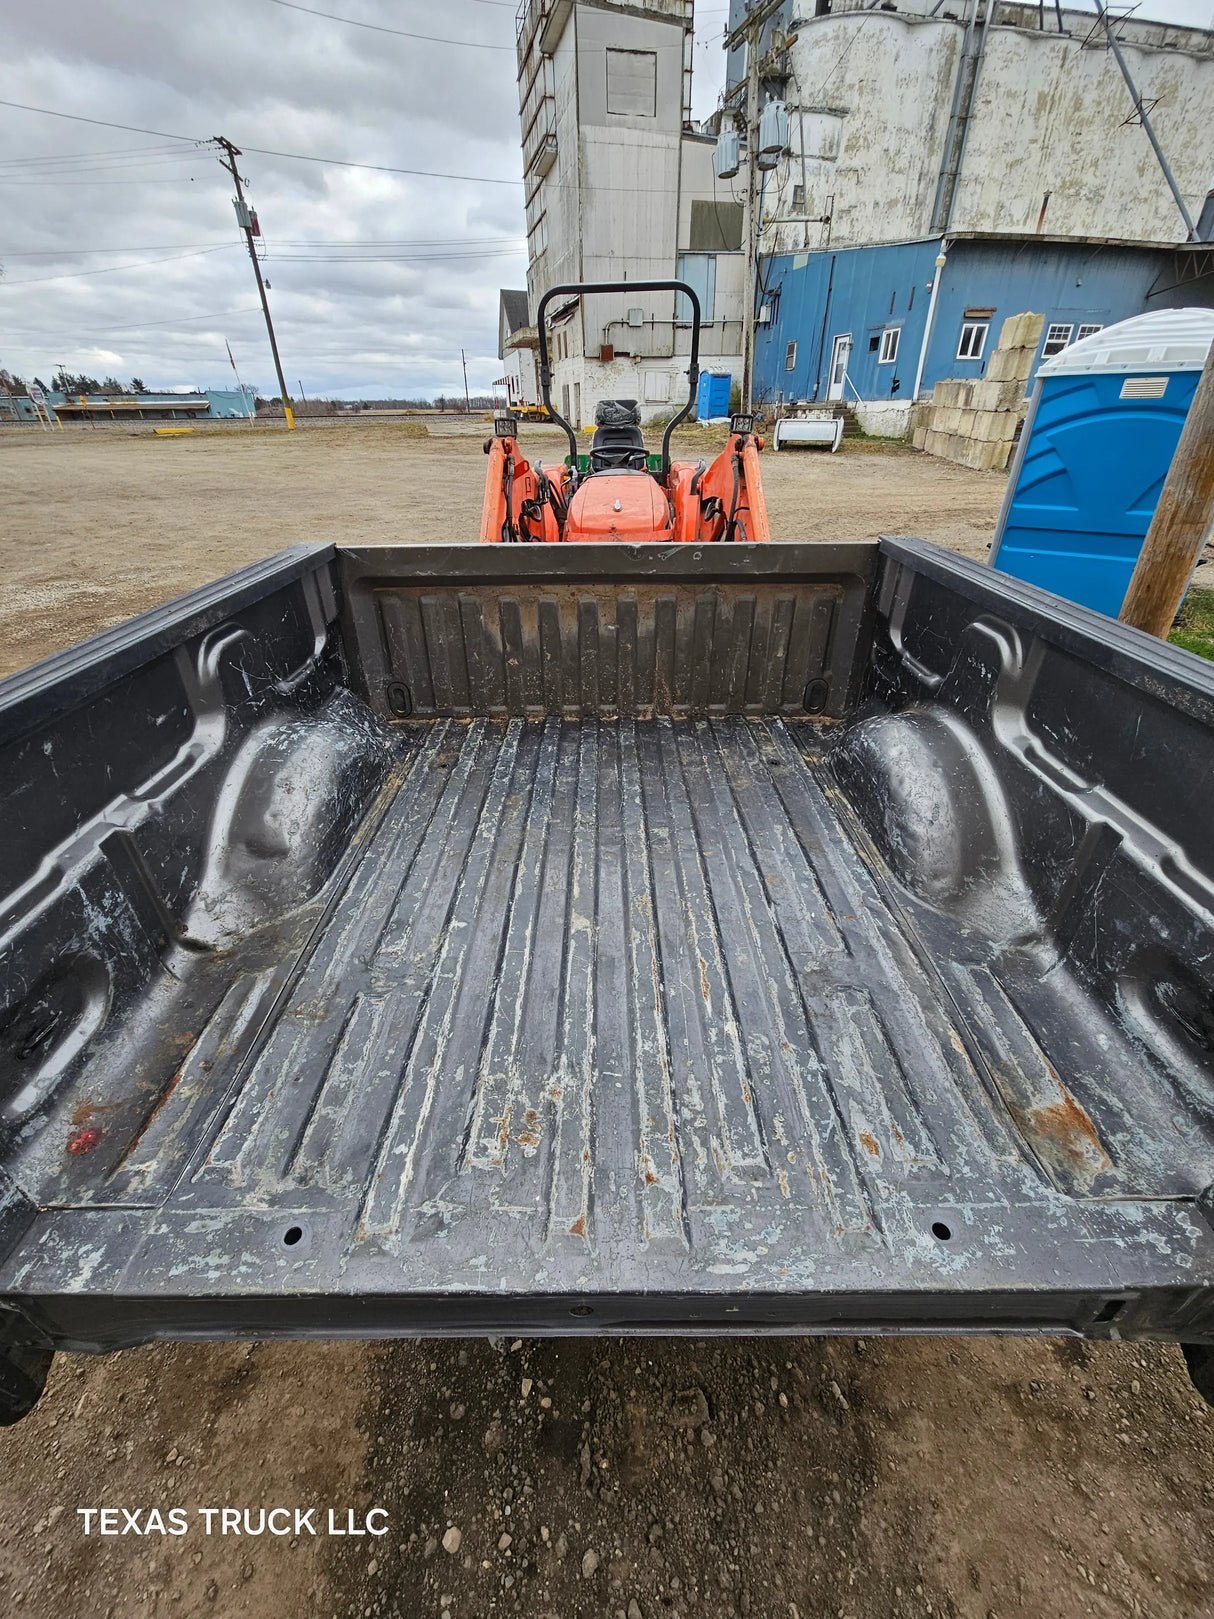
(36, 394)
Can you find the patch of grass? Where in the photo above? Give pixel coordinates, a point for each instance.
(1195, 631)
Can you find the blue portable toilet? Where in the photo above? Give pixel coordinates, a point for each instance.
(712, 399)
(1101, 431)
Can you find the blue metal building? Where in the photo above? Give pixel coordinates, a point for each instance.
(862, 323)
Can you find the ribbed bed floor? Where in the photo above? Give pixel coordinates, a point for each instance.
(603, 1007)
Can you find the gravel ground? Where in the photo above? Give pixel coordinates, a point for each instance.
(638, 1478)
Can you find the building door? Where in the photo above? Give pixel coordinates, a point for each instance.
(565, 400)
(577, 406)
(839, 355)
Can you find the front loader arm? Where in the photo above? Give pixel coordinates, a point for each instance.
(731, 501)
(522, 503)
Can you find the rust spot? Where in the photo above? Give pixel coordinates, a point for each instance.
(650, 1178)
(530, 1117)
(578, 1228)
(782, 1177)
(746, 1094)
(585, 1155)
(156, 1108)
(503, 1127)
(83, 1141)
(1068, 1126)
(556, 1093)
(87, 1110)
(527, 1138)
(704, 990)
(870, 1143)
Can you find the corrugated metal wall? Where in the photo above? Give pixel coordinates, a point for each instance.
(865, 290)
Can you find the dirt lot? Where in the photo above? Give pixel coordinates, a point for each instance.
(102, 523)
(788, 1477)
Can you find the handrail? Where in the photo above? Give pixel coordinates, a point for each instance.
(580, 289)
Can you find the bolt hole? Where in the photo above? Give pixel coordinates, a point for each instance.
(292, 1235)
(582, 1309)
(939, 1229)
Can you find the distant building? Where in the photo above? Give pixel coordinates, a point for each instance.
(214, 404)
(1001, 136)
(516, 347)
(619, 186)
(15, 409)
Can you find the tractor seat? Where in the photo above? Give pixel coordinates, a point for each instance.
(617, 444)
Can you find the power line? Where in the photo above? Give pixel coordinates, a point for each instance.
(392, 258)
(113, 269)
(301, 157)
(401, 33)
(105, 123)
(105, 155)
(136, 326)
(49, 185)
(166, 247)
(265, 151)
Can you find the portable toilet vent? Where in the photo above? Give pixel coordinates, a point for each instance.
(1102, 428)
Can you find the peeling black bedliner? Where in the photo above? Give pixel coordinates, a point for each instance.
(606, 939)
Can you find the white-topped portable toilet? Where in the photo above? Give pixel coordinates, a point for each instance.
(1101, 431)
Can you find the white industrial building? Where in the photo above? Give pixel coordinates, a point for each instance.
(619, 187)
(953, 162)
(904, 123)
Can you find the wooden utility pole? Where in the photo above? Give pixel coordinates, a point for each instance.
(245, 220)
(749, 223)
(467, 401)
(1182, 521)
(750, 32)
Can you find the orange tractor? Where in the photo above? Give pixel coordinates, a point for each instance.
(619, 491)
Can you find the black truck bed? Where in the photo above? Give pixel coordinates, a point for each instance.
(658, 1001)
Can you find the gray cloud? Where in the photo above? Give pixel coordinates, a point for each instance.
(268, 76)
(264, 76)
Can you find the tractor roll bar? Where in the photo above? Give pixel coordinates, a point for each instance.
(581, 288)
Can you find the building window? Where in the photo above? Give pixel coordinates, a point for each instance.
(1088, 331)
(790, 356)
(656, 387)
(699, 270)
(889, 345)
(632, 83)
(973, 339)
(1056, 339)
(537, 238)
(798, 196)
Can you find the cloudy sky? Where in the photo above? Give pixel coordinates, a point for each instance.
(119, 247)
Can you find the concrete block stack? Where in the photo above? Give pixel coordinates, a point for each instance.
(974, 422)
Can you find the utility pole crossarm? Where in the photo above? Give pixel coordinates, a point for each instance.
(229, 161)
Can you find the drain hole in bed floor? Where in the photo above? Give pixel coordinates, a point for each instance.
(292, 1235)
(939, 1229)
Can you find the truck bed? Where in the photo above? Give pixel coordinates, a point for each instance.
(655, 1014)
